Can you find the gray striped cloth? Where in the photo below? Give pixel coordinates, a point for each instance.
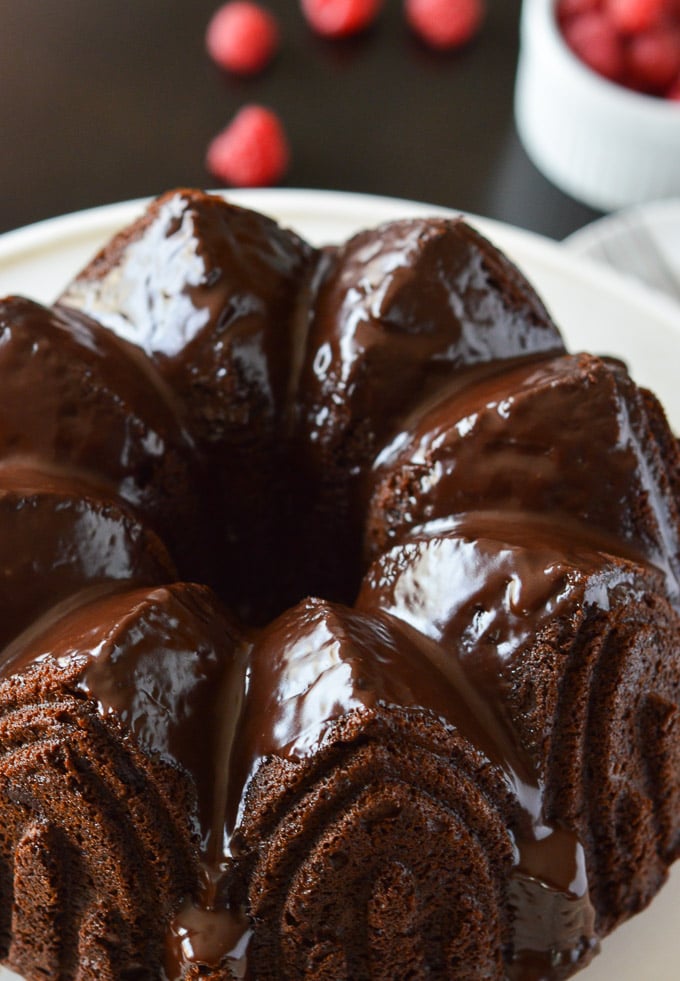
(643, 242)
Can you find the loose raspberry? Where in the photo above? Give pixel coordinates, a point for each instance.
(340, 18)
(654, 59)
(242, 37)
(633, 16)
(445, 24)
(252, 151)
(595, 40)
(673, 92)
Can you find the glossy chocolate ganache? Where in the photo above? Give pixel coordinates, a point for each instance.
(341, 634)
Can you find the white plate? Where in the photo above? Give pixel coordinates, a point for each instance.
(598, 310)
(643, 242)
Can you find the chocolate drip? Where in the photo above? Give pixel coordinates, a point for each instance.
(209, 938)
(164, 661)
(95, 404)
(171, 667)
(208, 290)
(398, 308)
(396, 311)
(97, 408)
(516, 440)
(320, 662)
(58, 536)
(483, 603)
(217, 296)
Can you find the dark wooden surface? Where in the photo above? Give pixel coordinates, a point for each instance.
(104, 100)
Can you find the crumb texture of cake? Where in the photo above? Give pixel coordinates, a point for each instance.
(339, 615)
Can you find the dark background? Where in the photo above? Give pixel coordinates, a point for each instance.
(104, 100)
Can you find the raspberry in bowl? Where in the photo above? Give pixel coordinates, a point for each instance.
(596, 99)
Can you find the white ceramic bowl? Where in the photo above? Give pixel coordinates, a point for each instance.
(599, 142)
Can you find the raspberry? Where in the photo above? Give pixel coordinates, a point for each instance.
(673, 92)
(445, 24)
(595, 40)
(654, 59)
(252, 151)
(340, 18)
(573, 8)
(633, 16)
(242, 37)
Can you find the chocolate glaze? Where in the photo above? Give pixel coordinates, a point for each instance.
(319, 663)
(209, 291)
(171, 666)
(396, 311)
(398, 308)
(484, 589)
(209, 937)
(94, 405)
(217, 296)
(219, 299)
(516, 440)
(482, 602)
(141, 660)
(60, 536)
(168, 663)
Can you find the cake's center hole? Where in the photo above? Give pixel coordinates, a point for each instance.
(291, 553)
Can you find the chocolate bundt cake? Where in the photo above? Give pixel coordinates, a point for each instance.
(341, 615)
